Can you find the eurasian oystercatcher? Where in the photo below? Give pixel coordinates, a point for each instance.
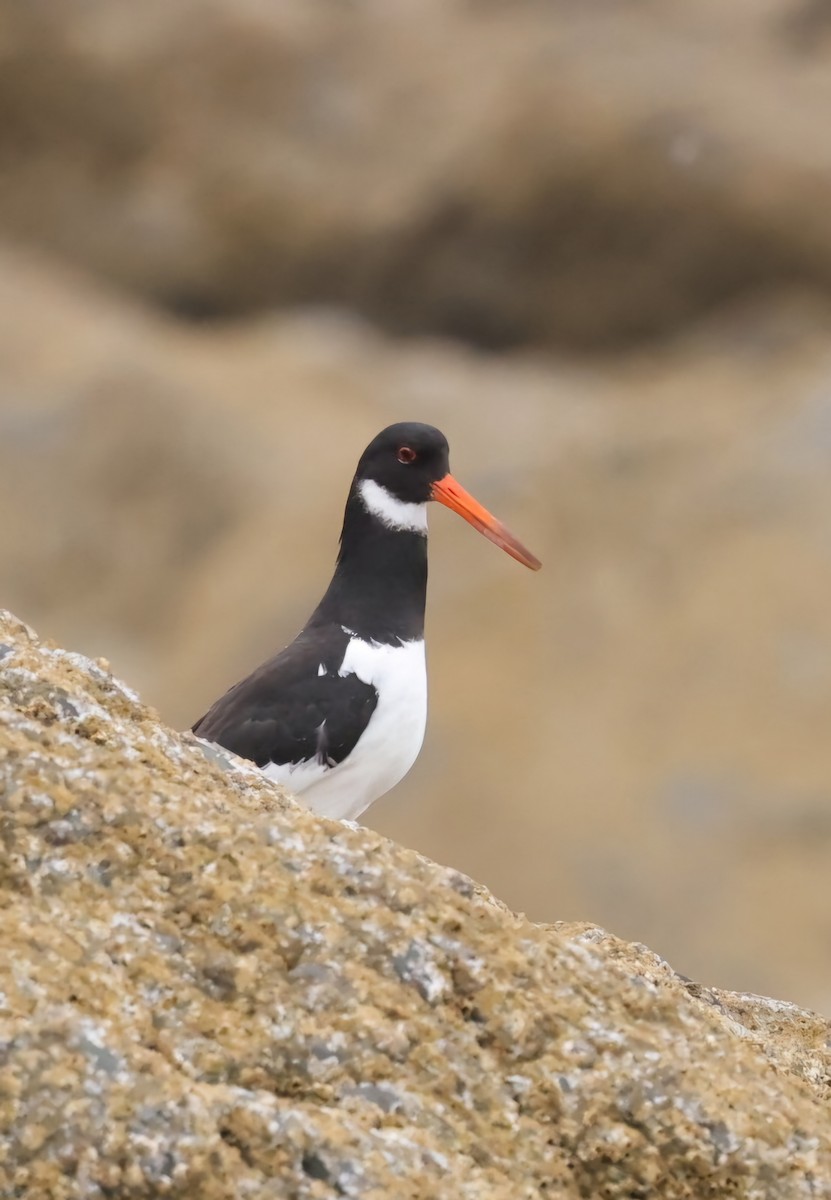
(339, 715)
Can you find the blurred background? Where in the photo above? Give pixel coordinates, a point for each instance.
(593, 244)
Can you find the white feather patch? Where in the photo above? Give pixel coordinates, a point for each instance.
(390, 511)
(386, 749)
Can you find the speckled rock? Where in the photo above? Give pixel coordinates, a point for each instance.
(208, 992)
(795, 1040)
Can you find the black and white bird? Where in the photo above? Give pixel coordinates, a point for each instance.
(339, 715)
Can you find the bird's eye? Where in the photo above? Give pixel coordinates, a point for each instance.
(406, 454)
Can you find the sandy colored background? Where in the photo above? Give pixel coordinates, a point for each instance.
(238, 237)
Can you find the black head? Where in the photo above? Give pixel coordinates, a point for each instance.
(406, 459)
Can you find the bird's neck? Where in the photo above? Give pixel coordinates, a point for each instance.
(379, 588)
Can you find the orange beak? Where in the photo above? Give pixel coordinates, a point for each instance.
(450, 493)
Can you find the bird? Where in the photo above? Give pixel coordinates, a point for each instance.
(339, 715)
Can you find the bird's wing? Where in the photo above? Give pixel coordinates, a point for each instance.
(295, 707)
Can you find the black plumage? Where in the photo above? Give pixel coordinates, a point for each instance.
(287, 712)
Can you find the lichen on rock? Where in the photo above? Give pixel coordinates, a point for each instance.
(207, 991)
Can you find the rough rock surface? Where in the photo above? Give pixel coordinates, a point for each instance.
(207, 991)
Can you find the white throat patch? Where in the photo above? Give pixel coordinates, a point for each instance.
(394, 513)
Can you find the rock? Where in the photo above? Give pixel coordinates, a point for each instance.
(206, 990)
(793, 1039)
(589, 175)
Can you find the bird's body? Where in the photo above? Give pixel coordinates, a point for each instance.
(391, 680)
(338, 716)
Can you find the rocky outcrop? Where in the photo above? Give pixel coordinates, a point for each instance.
(208, 991)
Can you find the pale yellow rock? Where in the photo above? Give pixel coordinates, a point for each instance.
(209, 992)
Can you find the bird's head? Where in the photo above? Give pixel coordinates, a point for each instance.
(407, 465)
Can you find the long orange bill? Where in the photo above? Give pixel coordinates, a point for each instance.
(450, 493)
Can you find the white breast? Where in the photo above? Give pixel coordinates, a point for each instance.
(389, 745)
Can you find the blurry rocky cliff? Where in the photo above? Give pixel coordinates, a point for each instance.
(605, 233)
(209, 991)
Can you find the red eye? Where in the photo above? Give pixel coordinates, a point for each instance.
(406, 454)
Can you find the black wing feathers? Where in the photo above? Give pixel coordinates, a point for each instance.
(288, 712)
